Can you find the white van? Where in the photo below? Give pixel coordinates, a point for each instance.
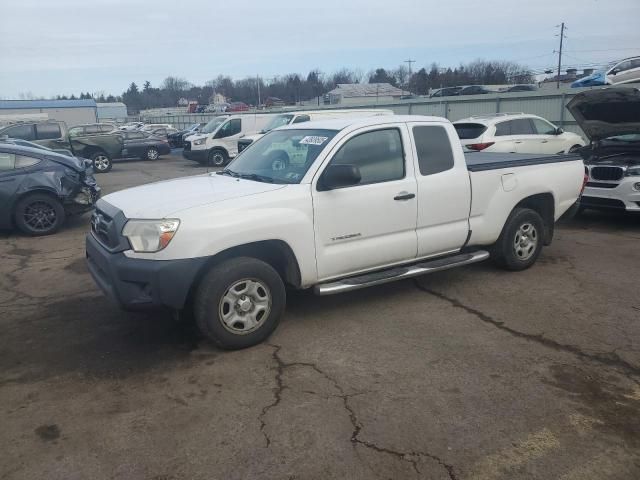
(217, 142)
(312, 115)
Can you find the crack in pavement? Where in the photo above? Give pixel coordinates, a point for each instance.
(410, 456)
(610, 359)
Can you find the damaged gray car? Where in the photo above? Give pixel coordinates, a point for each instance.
(40, 188)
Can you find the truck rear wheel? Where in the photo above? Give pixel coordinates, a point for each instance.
(521, 240)
(239, 302)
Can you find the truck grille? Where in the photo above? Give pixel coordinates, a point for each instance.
(607, 173)
(106, 227)
(102, 226)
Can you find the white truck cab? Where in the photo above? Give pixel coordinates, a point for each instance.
(292, 118)
(217, 141)
(334, 205)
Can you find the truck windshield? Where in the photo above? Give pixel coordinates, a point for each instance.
(212, 125)
(282, 156)
(278, 121)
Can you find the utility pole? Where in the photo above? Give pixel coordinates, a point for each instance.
(409, 62)
(259, 102)
(562, 28)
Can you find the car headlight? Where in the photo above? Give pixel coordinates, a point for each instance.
(150, 235)
(633, 171)
(200, 141)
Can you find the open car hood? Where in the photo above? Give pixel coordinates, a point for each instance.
(607, 112)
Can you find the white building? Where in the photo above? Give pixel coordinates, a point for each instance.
(72, 112)
(115, 112)
(363, 94)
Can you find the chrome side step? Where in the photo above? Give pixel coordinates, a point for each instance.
(399, 273)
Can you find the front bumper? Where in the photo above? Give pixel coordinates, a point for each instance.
(616, 196)
(199, 156)
(83, 201)
(136, 284)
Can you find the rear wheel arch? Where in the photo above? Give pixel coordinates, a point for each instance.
(544, 205)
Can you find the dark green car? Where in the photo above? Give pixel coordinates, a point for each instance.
(99, 147)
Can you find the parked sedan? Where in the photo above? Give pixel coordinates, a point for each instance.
(177, 139)
(474, 90)
(39, 188)
(144, 145)
(446, 92)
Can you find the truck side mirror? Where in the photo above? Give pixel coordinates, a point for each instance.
(337, 176)
(559, 131)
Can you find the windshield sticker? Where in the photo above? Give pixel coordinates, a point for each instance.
(313, 140)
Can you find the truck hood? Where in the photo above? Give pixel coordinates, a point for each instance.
(607, 112)
(163, 199)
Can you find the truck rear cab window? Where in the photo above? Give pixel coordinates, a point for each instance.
(468, 131)
(24, 132)
(46, 131)
(434, 149)
(378, 154)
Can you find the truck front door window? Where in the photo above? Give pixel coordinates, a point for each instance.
(378, 155)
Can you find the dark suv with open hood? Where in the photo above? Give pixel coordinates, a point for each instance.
(610, 118)
(39, 188)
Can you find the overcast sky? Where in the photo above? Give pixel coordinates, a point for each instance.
(50, 47)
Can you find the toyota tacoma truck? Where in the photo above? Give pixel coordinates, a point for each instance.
(610, 118)
(98, 146)
(335, 205)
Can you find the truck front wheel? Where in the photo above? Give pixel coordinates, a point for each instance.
(521, 240)
(239, 302)
(218, 158)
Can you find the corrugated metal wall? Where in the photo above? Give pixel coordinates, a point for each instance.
(546, 104)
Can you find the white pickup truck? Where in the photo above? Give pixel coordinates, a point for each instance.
(335, 205)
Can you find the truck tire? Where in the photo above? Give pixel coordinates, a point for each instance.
(101, 162)
(239, 302)
(39, 214)
(520, 242)
(218, 158)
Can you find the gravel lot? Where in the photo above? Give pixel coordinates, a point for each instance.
(473, 373)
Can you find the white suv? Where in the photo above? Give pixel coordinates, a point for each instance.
(515, 133)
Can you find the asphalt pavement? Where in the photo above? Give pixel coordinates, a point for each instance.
(473, 373)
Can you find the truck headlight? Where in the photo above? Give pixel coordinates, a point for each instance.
(150, 235)
(633, 171)
(200, 141)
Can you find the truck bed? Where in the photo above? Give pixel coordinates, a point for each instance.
(480, 161)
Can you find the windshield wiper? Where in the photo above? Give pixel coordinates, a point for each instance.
(256, 177)
(226, 171)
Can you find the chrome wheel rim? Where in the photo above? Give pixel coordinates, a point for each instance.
(101, 162)
(245, 306)
(525, 241)
(152, 154)
(40, 216)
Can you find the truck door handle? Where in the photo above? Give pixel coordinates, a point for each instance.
(404, 196)
(518, 141)
(545, 141)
